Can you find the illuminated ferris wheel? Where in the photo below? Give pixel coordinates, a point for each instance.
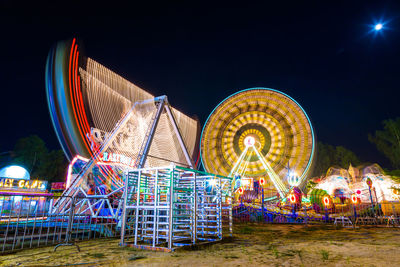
(259, 132)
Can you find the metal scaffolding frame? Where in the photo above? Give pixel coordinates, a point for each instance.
(172, 206)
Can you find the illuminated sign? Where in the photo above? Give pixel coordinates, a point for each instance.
(116, 158)
(58, 186)
(22, 184)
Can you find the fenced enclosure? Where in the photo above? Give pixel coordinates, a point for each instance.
(28, 221)
(173, 206)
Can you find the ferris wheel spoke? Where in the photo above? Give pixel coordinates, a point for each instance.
(238, 162)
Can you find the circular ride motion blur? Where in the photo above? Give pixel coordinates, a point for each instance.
(268, 119)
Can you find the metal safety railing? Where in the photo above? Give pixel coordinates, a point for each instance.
(28, 221)
(343, 214)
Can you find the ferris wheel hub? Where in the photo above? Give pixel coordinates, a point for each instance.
(249, 141)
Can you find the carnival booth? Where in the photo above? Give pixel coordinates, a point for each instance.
(19, 193)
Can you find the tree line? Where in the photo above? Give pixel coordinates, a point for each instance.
(43, 164)
(386, 140)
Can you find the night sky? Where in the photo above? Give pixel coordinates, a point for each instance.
(323, 55)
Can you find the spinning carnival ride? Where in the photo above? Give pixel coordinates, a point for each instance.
(259, 132)
(105, 124)
(132, 157)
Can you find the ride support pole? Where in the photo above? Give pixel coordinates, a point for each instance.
(355, 212)
(262, 203)
(326, 214)
(372, 201)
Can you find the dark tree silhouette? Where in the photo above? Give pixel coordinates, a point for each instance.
(32, 153)
(328, 156)
(387, 141)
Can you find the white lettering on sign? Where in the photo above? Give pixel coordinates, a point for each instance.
(117, 158)
(23, 184)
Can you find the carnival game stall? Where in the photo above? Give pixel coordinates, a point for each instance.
(19, 194)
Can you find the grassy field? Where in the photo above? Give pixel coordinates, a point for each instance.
(252, 245)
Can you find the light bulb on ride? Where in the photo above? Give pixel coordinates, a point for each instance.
(213, 182)
(327, 201)
(293, 179)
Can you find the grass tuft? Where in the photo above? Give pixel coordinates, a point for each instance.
(246, 230)
(275, 251)
(97, 255)
(324, 254)
(231, 257)
(136, 257)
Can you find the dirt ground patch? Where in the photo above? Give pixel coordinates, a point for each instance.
(252, 245)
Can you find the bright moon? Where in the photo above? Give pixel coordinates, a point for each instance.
(378, 26)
